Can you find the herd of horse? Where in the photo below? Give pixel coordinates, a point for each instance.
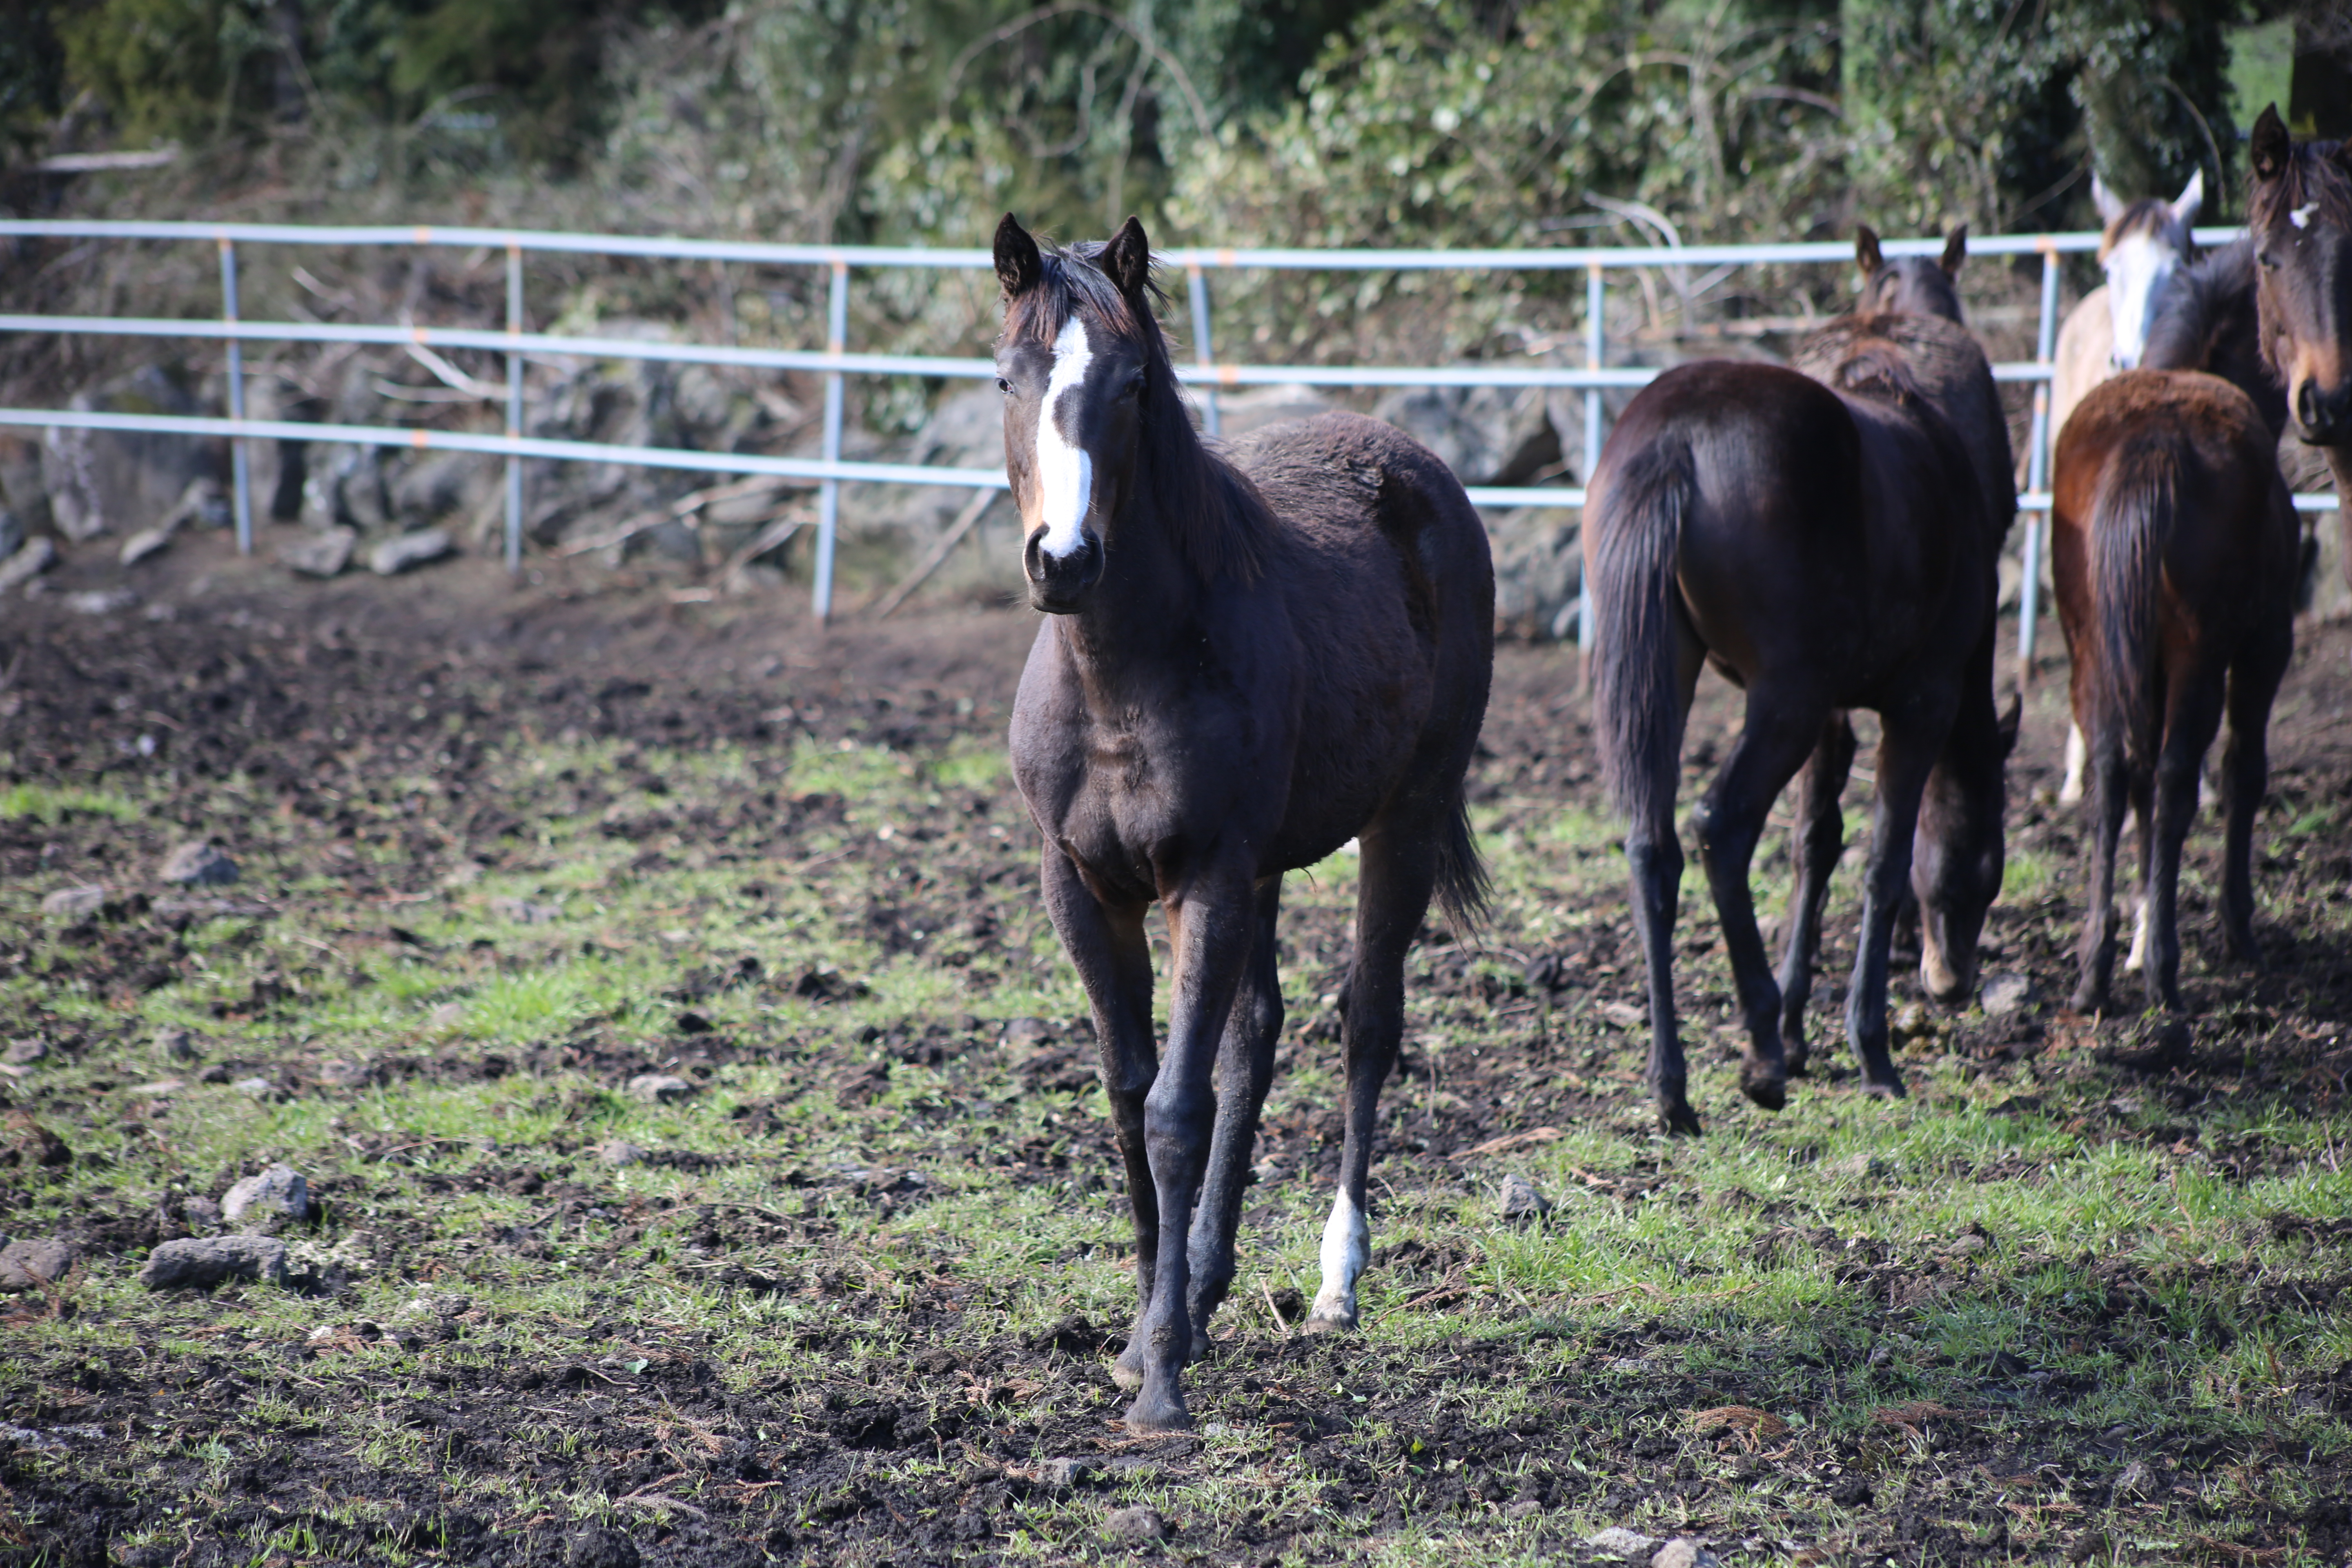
(1255, 654)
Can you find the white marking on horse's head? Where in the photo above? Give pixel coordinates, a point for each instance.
(2139, 269)
(1066, 474)
(2301, 216)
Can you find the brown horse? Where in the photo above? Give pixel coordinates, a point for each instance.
(1825, 547)
(2271, 313)
(1909, 285)
(2174, 548)
(1248, 663)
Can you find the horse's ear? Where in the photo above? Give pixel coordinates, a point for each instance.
(2273, 146)
(1127, 260)
(1956, 250)
(1866, 252)
(2192, 197)
(2110, 205)
(1018, 265)
(2006, 726)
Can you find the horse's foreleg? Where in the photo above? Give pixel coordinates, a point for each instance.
(1772, 745)
(1396, 872)
(2245, 774)
(1212, 928)
(1113, 958)
(1244, 1068)
(2109, 794)
(1817, 841)
(1911, 738)
(2192, 715)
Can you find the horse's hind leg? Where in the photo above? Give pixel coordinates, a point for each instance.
(1398, 871)
(1911, 738)
(1244, 1067)
(1818, 839)
(1653, 861)
(2109, 793)
(1113, 958)
(2193, 715)
(1772, 747)
(2245, 774)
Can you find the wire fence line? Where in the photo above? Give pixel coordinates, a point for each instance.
(830, 470)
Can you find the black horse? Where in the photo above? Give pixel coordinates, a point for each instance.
(1251, 661)
(1825, 545)
(1909, 285)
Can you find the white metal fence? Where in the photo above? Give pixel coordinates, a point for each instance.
(830, 470)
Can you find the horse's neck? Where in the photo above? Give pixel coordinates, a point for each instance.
(1130, 638)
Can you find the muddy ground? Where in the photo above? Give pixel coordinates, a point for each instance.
(506, 849)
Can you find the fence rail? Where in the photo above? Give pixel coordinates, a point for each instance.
(835, 362)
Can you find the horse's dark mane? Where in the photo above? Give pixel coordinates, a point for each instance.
(2314, 176)
(1218, 522)
(2195, 308)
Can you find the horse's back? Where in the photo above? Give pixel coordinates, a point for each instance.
(1329, 477)
(1949, 368)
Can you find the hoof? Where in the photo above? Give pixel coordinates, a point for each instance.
(2088, 999)
(1795, 1058)
(1885, 1089)
(1322, 1323)
(1148, 1414)
(1766, 1083)
(1128, 1374)
(1200, 1351)
(1679, 1119)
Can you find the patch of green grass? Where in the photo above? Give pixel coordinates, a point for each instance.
(50, 804)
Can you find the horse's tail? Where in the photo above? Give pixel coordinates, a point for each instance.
(1462, 885)
(2132, 518)
(1635, 538)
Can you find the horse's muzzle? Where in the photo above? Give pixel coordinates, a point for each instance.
(1058, 584)
(2323, 417)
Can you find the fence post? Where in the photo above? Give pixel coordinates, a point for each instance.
(514, 406)
(236, 453)
(828, 495)
(1595, 350)
(1196, 283)
(2037, 467)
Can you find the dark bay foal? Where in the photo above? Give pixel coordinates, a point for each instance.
(1248, 663)
(1824, 547)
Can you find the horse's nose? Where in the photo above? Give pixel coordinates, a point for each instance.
(1058, 584)
(2323, 417)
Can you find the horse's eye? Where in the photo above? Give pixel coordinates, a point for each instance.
(1002, 385)
(2269, 262)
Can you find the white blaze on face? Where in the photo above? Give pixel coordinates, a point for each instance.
(2140, 268)
(2301, 216)
(1066, 475)
(1346, 1248)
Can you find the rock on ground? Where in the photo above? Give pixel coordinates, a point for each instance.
(2004, 994)
(195, 1264)
(1620, 1542)
(27, 563)
(523, 911)
(394, 556)
(1861, 1167)
(1135, 1524)
(659, 1087)
(276, 1196)
(25, 1053)
(200, 1214)
(1684, 1551)
(620, 1152)
(1519, 1202)
(173, 1044)
(323, 553)
(36, 1261)
(72, 903)
(198, 863)
(595, 1548)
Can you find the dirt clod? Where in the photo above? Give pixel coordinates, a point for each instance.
(1135, 1524)
(35, 1261)
(199, 1264)
(197, 864)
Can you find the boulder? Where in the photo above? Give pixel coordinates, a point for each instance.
(277, 1196)
(200, 863)
(1486, 435)
(125, 481)
(322, 553)
(399, 554)
(27, 563)
(199, 1263)
(36, 1261)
